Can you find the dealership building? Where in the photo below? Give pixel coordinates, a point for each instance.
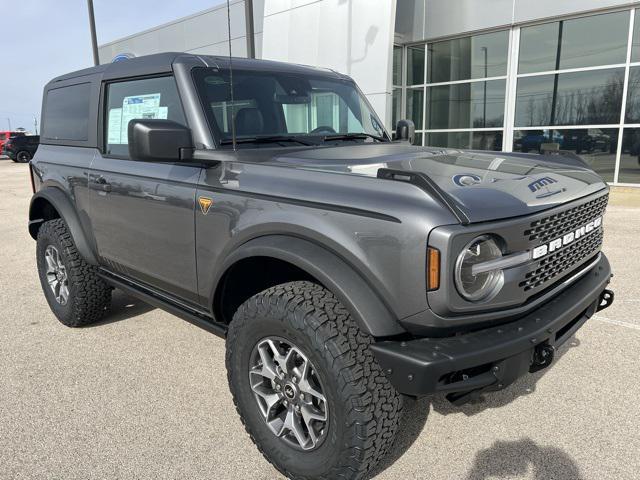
(502, 75)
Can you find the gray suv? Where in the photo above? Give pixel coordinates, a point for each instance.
(266, 203)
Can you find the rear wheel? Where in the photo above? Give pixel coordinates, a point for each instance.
(306, 385)
(23, 156)
(76, 294)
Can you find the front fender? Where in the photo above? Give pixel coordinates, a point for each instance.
(64, 207)
(353, 291)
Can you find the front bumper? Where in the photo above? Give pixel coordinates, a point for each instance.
(493, 358)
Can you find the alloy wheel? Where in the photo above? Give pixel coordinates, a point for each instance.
(56, 275)
(288, 392)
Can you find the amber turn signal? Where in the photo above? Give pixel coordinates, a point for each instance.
(433, 269)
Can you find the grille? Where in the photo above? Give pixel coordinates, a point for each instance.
(558, 224)
(563, 260)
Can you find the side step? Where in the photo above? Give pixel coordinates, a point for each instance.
(193, 316)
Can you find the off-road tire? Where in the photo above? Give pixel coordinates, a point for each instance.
(23, 156)
(364, 408)
(89, 296)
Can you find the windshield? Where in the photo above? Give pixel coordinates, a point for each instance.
(287, 108)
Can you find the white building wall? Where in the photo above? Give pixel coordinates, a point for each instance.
(354, 37)
(205, 33)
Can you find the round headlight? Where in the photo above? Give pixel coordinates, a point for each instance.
(483, 284)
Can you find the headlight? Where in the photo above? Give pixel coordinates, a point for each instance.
(486, 283)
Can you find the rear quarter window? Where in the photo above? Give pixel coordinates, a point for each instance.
(66, 113)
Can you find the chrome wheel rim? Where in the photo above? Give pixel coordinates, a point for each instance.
(288, 392)
(56, 275)
(22, 157)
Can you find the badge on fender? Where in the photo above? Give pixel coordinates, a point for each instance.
(205, 204)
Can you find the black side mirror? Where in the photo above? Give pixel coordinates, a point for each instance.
(158, 140)
(405, 131)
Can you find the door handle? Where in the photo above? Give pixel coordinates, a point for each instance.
(100, 184)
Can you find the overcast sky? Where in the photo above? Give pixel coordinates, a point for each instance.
(43, 39)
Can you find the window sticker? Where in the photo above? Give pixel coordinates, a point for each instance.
(114, 126)
(133, 107)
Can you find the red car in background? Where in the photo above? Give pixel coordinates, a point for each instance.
(5, 135)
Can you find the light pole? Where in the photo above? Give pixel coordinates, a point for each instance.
(9, 122)
(92, 27)
(248, 16)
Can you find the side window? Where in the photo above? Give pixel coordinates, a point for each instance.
(145, 98)
(66, 113)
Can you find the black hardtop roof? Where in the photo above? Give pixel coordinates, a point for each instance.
(163, 63)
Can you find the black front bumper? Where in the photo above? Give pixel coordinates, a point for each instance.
(492, 358)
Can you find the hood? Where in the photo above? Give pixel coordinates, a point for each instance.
(484, 186)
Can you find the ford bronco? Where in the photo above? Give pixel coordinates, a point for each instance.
(266, 203)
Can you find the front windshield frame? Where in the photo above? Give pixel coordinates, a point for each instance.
(223, 137)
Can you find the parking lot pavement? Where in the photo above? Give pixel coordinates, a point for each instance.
(144, 395)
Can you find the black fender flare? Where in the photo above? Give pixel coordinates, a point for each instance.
(334, 273)
(63, 205)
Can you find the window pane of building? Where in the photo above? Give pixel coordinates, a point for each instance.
(635, 48)
(466, 105)
(632, 114)
(415, 106)
(578, 98)
(597, 147)
(473, 140)
(397, 66)
(418, 139)
(397, 106)
(630, 158)
(415, 65)
(466, 58)
(581, 42)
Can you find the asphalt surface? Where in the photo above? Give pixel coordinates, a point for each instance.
(144, 395)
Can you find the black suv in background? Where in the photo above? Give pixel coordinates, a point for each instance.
(21, 149)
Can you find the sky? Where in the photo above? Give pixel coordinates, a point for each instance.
(42, 39)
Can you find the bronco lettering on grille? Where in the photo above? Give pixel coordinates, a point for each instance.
(557, 243)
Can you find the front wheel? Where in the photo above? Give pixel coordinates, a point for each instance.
(306, 384)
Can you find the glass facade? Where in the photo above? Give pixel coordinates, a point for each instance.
(575, 98)
(570, 86)
(466, 105)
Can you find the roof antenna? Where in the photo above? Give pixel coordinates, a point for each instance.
(233, 105)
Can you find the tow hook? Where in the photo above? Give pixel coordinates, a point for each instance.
(542, 357)
(606, 299)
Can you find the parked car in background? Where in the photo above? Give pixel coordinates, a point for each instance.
(5, 135)
(21, 148)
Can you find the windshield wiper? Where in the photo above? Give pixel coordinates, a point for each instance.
(353, 136)
(269, 139)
